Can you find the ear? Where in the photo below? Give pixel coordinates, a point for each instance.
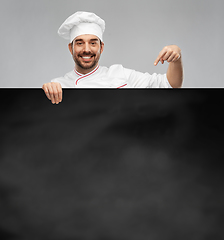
(102, 48)
(70, 48)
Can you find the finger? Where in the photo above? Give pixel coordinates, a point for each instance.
(177, 57)
(59, 89)
(167, 55)
(46, 91)
(55, 92)
(174, 57)
(171, 58)
(161, 54)
(157, 61)
(51, 92)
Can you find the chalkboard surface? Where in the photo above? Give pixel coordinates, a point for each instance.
(112, 164)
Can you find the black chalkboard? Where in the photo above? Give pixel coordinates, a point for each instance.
(112, 164)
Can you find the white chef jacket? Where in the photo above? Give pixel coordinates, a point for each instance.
(115, 76)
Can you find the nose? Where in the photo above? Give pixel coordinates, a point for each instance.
(87, 48)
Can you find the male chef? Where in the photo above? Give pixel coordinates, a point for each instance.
(85, 31)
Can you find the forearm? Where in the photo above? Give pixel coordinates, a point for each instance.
(175, 73)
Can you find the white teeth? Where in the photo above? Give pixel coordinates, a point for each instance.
(86, 57)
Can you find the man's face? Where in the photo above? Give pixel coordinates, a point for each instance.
(86, 51)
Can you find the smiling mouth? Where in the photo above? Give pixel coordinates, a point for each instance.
(87, 58)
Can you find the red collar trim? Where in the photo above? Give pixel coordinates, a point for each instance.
(81, 76)
(122, 86)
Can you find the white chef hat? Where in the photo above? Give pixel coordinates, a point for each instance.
(82, 23)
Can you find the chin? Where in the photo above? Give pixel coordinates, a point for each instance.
(86, 66)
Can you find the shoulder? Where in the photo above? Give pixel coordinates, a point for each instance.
(67, 81)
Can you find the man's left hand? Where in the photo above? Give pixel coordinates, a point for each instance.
(170, 54)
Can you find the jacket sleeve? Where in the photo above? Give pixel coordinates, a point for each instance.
(145, 80)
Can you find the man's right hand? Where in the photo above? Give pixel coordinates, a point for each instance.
(53, 92)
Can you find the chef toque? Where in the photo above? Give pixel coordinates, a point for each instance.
(82, 23)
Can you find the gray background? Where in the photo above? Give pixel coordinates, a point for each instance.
(136, 31)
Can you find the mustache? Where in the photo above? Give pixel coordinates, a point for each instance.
(86, 54)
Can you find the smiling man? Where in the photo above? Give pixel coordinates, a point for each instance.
(85, 31)
(86, 51)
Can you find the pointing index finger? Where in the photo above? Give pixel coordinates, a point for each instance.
(157, 61)
(161, 54)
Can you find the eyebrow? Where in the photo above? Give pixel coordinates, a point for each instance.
(91, 40)
(94, 40)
